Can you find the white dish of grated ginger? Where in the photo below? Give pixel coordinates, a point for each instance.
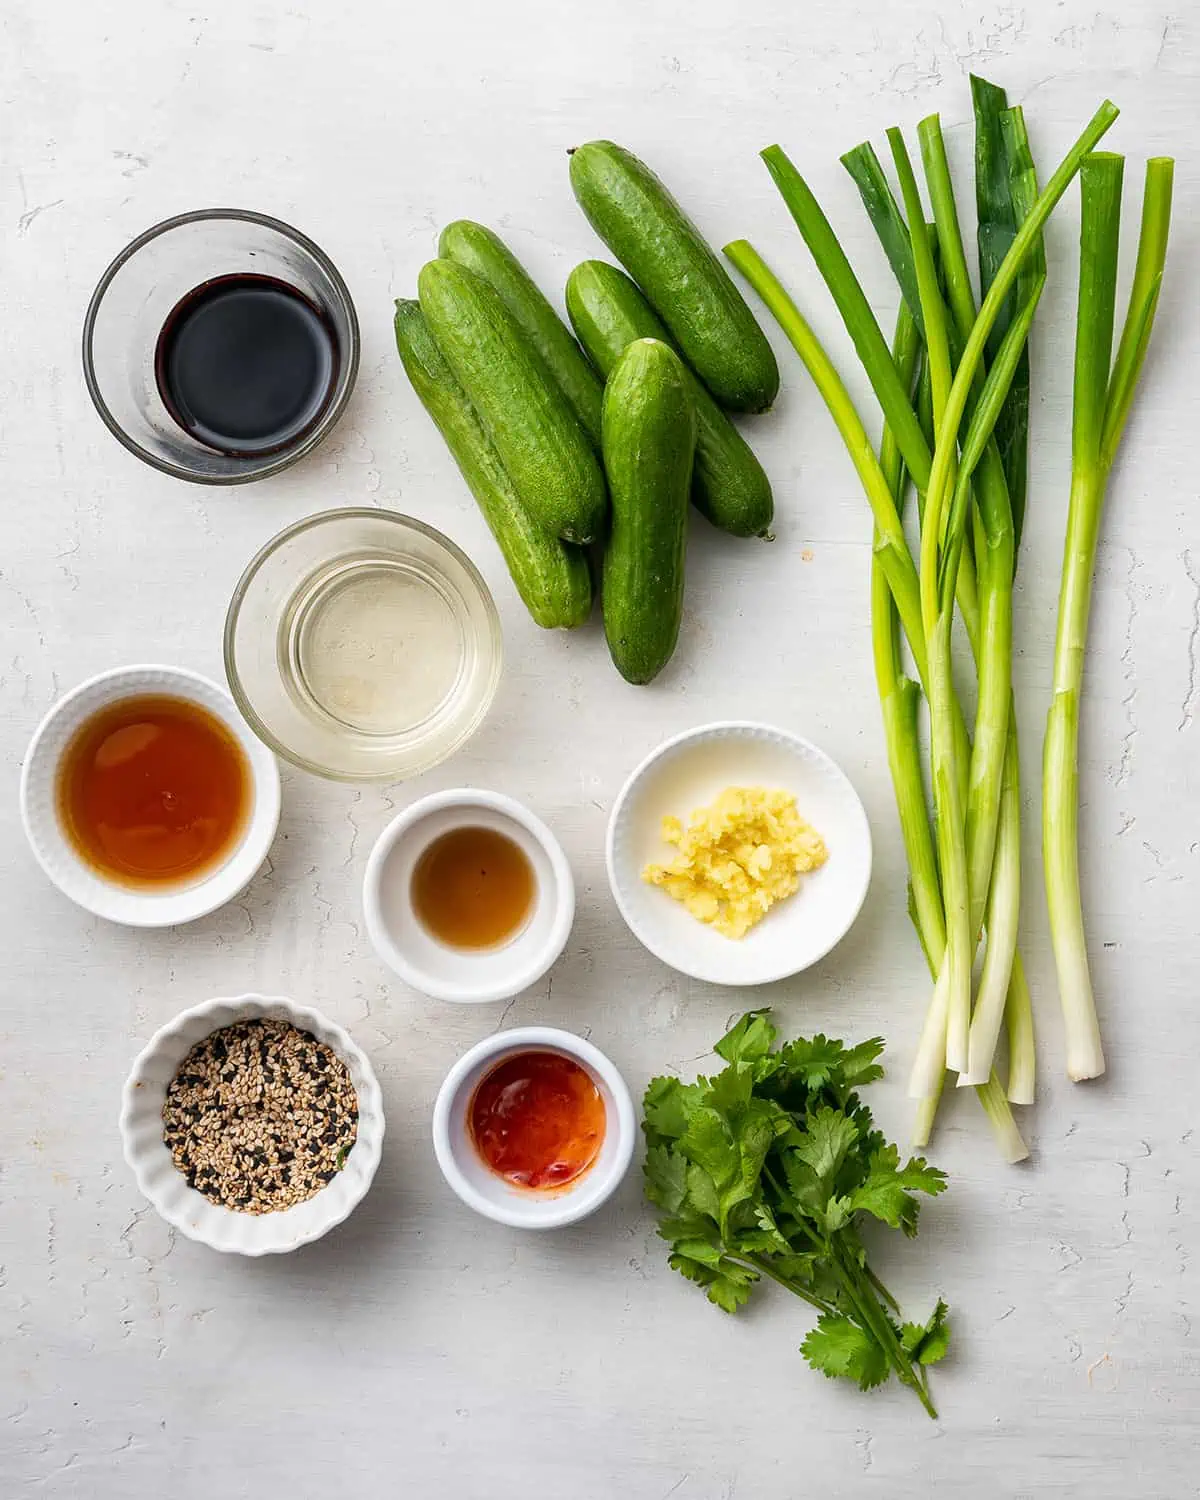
(739, 853)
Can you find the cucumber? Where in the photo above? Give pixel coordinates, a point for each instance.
(649, 440)
(480, 250)
(547, 454)
(685, 283)
(552, 577)
(729, 487)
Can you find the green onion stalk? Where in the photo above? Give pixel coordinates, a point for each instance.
(942, 475)
(940, 554)
(1006, 186)
(1103, 394)
(891, 556)
(899, 698)
(966, 520)
(994, 868)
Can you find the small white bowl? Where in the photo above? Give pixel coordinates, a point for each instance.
(164, 1185)
(142, 906)
(490, 1195)
(466, 976)
(689, 772)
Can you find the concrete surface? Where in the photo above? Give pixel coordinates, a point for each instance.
(420, 1350)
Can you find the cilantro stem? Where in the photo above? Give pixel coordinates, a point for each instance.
(762, 1263)
(875, 1321)
(881, 1289)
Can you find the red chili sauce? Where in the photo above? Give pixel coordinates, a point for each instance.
(538, 1120)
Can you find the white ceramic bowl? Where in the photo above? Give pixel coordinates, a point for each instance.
(468, 977)
(688, 772)
(164, 1185)
(140, 906)
(490, 1195)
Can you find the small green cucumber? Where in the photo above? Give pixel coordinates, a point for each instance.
(552, 577)
(649, 440)
(729, 486)
(540, 442)
(685, 283)
(480, 250)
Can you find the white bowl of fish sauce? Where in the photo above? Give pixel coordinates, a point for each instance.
(252, 1125)
(534, 1128)
(468, 896)
(145, 797)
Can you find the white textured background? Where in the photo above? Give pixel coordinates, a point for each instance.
(420, 1350)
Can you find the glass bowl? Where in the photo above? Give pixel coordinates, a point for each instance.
(148, 281)
(363, 645)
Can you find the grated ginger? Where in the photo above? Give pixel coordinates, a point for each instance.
(738, 857)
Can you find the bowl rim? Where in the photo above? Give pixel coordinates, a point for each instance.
(252, 1005)
(732, 729)
(529, 1038)
(309, 523)
(328, 418)
(563, 896)
(144, 909)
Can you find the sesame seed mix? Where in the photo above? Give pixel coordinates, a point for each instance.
(260, 1116)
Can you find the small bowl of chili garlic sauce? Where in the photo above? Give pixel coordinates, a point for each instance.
(145, 797)
(534, 1128)
(468, 896)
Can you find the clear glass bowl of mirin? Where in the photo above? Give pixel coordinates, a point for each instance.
(363, 645)
(220, 346)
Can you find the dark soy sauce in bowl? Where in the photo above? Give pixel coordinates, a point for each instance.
(246, 364)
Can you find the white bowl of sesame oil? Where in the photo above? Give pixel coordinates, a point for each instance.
(252, 1124)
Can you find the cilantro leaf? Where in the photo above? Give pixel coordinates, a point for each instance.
(702, 1192)
(928, 1342)
(666, 1108)
(859, 1064)
(709, 1143)
(886, 1193)
(838, 1347)
(830, 1135)
(727, 1282)
(807, 1196)
(750, 1040)
(750, 1229)
(666, 1178)
(730, 1091)
(812, 1062)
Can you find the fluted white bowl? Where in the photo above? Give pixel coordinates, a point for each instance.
(190, 1212)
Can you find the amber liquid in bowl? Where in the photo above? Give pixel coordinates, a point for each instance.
(474, 888)
(153, 791)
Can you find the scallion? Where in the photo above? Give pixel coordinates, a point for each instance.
(1103, 394)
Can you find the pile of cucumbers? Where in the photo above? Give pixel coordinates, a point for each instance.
(601, 442)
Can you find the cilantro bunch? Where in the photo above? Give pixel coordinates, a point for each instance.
(765, 1170)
